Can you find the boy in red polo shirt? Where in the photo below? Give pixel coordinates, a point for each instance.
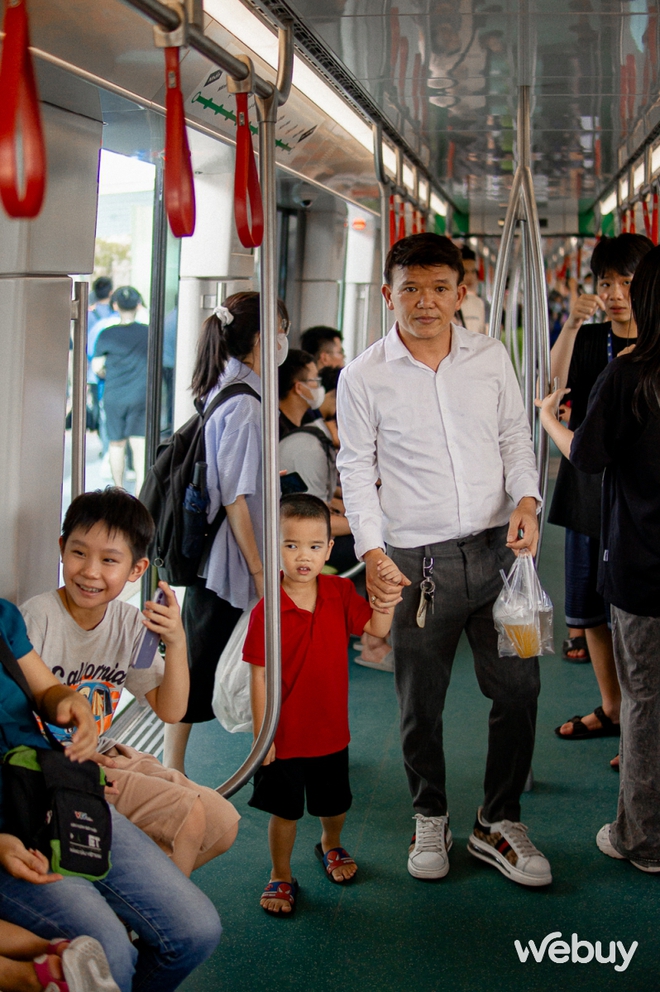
(310, 752)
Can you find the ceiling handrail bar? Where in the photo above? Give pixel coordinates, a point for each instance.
(522, 210)
(167, 18)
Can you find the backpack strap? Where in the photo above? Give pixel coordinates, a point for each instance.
(14, 670)
(316, 432)
(234, 389)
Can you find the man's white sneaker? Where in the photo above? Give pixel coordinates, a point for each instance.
(428, 853)
(506, 846)
(605, 845)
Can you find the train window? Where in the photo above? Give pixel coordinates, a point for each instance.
(655, 159)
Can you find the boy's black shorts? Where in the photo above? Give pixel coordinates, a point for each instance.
(280, 788)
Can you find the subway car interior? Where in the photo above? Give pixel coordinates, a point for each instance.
(524, 130)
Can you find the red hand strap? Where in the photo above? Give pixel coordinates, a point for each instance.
(632, 229)
(19, 111)
(415, 229)
(647, 218)
(178, 185)
(654, 219)
(402, 221)
(246, 181)
(392, 221)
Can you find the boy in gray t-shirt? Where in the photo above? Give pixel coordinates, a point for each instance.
(88, 638)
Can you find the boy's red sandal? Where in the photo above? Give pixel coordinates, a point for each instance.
(335, 858)
(286, 891)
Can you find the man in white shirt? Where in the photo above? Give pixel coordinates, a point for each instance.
(435, 412)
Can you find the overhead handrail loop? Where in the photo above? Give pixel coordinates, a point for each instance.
(246, 177)
(654, 218)
(402, 220)
(392, 221)
(178, 182)
(20, 117)
(178, 185)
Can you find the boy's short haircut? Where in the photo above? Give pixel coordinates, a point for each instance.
(467, 254)
(120, 512)
(291, 369)
(424, 250)
(621, 254)
(305, 506)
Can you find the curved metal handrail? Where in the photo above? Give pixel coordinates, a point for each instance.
(522, 211)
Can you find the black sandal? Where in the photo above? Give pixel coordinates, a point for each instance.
(575, 644)
(582, 733)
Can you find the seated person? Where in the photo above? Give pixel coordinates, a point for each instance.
(177, 925)
(88, 638)
(29, 963)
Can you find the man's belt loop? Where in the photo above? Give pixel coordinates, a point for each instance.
(20, 114)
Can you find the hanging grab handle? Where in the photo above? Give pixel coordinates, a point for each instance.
(179, 187)
(178, 183)
(654, 218)
(246, 178)
(20, 116)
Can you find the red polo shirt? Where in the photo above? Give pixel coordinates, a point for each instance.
(314, 715)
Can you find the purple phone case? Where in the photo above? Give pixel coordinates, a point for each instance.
(150, 641)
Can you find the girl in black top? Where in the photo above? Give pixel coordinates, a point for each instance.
(621, 435)
(580, 354)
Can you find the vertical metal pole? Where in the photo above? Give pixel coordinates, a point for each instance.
(79, 308)
(156, 320)
(267, 110)
(384, 249)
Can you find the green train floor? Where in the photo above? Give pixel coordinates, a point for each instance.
(392, 933)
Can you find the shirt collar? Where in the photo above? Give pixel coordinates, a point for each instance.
(236, 370)
(327, 589)
(395, 348)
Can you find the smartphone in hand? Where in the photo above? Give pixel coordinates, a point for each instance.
(145, 654)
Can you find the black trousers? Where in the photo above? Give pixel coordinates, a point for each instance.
(208, 622)
(467, 583)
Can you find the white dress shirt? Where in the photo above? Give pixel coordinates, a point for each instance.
(452, 448)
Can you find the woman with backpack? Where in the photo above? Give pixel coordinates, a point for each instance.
(621, 435)
(228, 353)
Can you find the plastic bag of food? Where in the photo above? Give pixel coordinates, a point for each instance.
(523, 612)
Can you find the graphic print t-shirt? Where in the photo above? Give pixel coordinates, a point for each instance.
(94, 662)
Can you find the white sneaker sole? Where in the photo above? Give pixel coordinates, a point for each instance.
(605, 845)
(492, 857)
(86, 967)
(430, 873)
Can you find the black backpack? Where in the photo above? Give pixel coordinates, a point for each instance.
(164, 491)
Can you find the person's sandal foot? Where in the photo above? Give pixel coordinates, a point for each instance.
(284, 893)
(336, 859)
(582, 731)
(575, 649)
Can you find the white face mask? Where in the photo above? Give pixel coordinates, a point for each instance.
(282, 348)
(318, 395)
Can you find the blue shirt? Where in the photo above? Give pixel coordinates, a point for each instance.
(233, 452)
(17, 722)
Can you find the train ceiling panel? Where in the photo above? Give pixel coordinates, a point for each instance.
(114, 43)
(444, 74)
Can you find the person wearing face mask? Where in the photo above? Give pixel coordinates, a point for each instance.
(228, 352)
(309, 449)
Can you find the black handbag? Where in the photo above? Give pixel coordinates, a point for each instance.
(54, 805)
